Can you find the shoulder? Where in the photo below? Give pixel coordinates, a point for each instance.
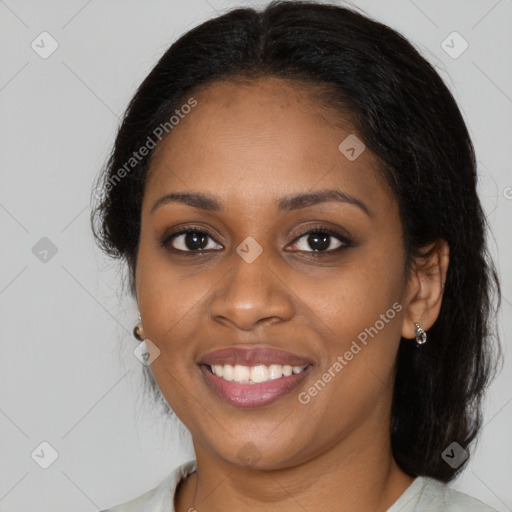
(429, 495)
(160, 498)
(448, 499)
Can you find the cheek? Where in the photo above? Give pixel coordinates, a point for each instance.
(354, 295)
(362, 313)
(359, 313)
(168, 297)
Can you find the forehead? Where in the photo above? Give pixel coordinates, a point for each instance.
(261, 139)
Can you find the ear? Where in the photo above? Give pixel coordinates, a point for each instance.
(425, 287)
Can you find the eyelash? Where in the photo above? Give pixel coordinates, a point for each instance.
(346, 243)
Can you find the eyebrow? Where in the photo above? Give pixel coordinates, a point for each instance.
(285, 204)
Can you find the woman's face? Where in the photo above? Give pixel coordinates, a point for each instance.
(259, 283)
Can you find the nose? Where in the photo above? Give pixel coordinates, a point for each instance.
(251, 294)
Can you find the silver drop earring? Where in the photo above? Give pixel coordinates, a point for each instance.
(421, 335)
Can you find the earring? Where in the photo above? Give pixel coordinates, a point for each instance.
(421, 335)
(137, 331)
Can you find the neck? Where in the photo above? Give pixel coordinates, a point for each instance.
(359, 474)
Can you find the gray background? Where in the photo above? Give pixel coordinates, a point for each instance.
(68, 374)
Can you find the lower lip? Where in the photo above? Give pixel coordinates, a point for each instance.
(252, 395)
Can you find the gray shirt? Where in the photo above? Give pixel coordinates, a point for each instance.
(423, 495)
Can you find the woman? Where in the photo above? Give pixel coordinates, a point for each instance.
(294, 192)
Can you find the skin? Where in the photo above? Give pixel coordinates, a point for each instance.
(249, 145)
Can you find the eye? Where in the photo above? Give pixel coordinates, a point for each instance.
(320, 239)
(189, 240)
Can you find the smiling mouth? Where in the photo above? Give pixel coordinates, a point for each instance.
(257, 374)
(253, 386)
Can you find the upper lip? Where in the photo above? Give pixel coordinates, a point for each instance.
(254, 355)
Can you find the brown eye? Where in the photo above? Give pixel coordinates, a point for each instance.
(190, 240)
(322, 240)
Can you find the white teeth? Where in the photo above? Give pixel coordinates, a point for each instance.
(228, 372)
(287, 370)
(242, 373)
(275, 371)
(255, 374)
(217, 369)
(260, 373)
